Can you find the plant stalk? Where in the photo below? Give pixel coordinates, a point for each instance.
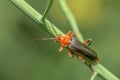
(37, 17)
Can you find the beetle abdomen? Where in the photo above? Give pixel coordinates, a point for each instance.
(82, 49)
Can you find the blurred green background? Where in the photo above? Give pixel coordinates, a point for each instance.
(24, 59)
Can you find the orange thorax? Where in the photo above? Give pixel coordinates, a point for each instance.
(65, 40)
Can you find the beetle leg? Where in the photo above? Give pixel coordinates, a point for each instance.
(81, 58)
(70, 33)
(89, 65)
(61, 48)
(87, 42)
(70, 54)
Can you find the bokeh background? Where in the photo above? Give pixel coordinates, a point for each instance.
(24, 59)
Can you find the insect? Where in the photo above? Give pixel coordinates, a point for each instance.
(74, 45)
(82, 50)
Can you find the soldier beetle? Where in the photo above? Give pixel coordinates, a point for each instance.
(74, 45)
(82, 49)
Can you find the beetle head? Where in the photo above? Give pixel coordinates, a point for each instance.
(63, 40)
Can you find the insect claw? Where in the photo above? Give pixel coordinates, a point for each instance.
(61, 48)
(70, 54)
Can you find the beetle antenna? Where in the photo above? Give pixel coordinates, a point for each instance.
(44, 39)
(48, 38)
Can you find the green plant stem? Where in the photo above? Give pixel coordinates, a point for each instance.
(47, 9)
(93, 77)
(37, 17)
(70, 18)
(103, 72)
